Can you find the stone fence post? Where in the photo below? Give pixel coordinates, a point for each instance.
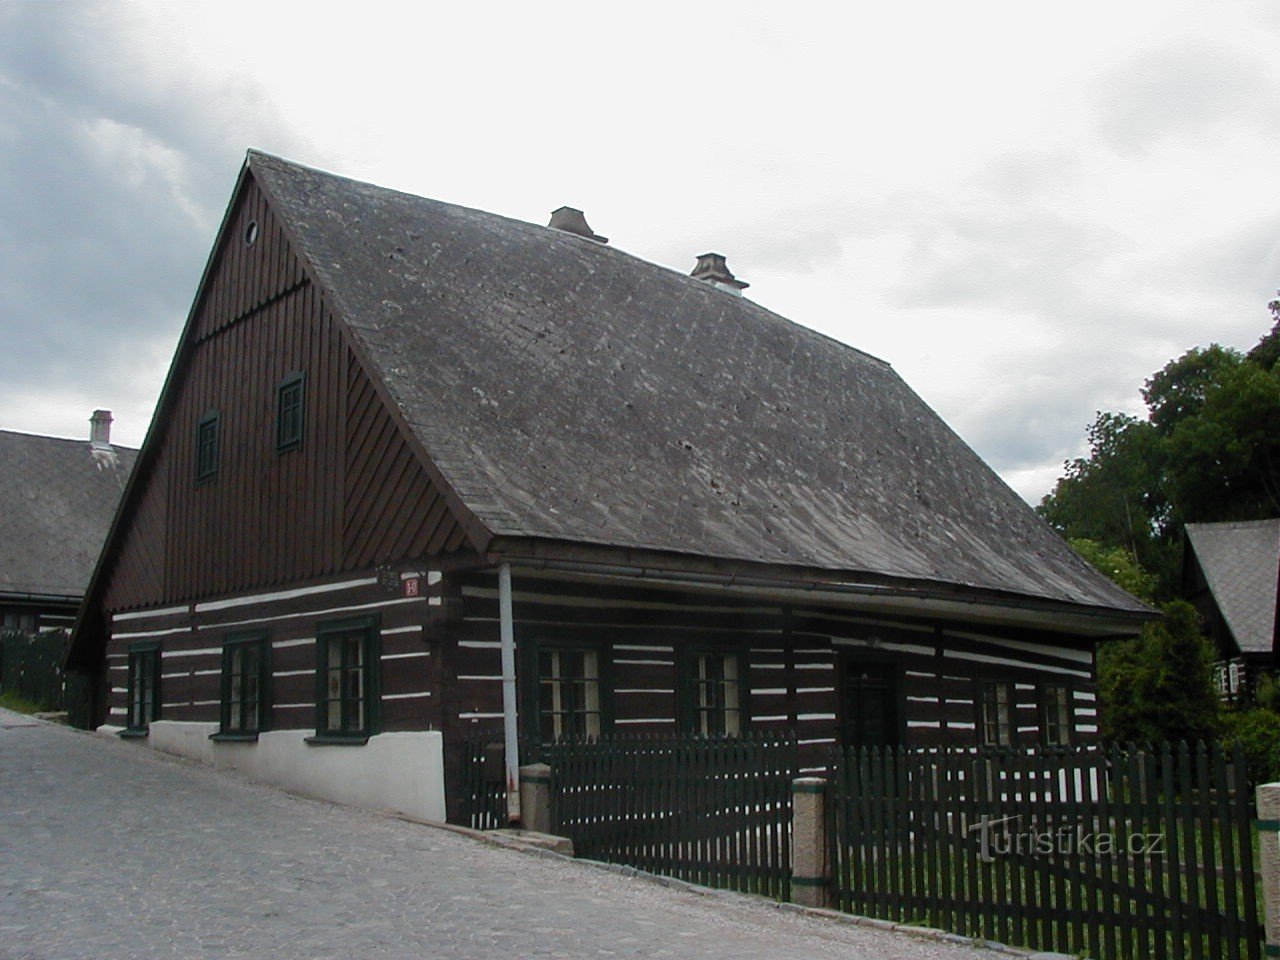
(535, 797)
(810, 873)
(1269, 850)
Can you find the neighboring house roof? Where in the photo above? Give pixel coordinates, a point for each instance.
(569, 391)
(1241, 564)
(57, 498)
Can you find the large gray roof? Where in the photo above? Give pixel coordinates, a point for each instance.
(571, 391)
(1241, 562)
(56, 504)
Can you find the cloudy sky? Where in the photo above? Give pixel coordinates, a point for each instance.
(1025, 208)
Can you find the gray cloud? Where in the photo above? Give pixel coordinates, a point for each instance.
(111, 186)
(1181, 91)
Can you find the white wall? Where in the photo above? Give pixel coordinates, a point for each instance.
(403, 772)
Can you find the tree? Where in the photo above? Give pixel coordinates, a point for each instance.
(1159, 686)
(1208, 450)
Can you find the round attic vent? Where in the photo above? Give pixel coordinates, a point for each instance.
(251, 233)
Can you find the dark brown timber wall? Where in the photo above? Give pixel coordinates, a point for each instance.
(350, 496)
(792, 655)
(191, 638)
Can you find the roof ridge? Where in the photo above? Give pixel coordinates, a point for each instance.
(48, 436)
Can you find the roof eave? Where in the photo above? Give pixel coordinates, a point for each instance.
(872, 592)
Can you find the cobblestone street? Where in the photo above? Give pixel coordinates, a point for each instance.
(108, 850)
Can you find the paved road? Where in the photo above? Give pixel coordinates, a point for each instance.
(108, 850)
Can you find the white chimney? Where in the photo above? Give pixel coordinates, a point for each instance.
(712, 269)
(100, 429)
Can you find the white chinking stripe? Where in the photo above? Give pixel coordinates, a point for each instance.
(211, 605)
(647, 720)
(1055, 653)
(1006, 662)
(593, 600)
(202, 652)
(147, 614)
(887, 645)
(406, 656)
(151, 633)
(310, 614)
(405, 696)
(645, 690)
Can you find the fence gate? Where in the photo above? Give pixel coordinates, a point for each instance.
(706, 810)
(1134, 852)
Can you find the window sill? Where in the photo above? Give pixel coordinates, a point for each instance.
(234, 737)
(134, 733)
(338, 740)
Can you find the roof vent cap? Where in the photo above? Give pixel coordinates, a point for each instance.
(571, 220)
(712, 268)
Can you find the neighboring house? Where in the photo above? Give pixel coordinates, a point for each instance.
(385, 409)
(57, 498)
(1231, 572)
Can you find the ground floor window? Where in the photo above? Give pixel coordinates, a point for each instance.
(245, 684)
(568, 693)
(144, 685)
(713, 693)
(995, 709)
(1055, 714)
(347, 672)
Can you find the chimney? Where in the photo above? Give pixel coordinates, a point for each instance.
(573, 221)
(712, 268)
(100, 429)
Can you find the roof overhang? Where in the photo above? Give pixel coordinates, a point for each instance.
(870, 594)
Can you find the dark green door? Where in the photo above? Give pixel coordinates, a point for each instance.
(869, 704)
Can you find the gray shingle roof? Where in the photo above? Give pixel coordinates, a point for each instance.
(571, 391)
(56, 505)
(1241, 562)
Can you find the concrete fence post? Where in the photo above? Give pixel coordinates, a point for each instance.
(810, 873)
(1269, 850)
(535, 797)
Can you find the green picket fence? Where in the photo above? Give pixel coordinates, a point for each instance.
(714, 811)
(1121, 853)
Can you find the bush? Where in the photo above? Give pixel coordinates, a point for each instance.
(1258, 731)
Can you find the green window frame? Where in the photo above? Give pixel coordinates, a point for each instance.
(290, 412)
(1055, 714)
(208, 441)
(571, 692)
(348, 681)
(996, 713)
(713, 692)
(245, 706)
(143, 690)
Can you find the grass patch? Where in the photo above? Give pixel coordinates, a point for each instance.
(12, 701)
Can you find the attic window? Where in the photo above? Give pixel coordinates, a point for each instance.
(289, 413)
(207, 448)
(251, 233)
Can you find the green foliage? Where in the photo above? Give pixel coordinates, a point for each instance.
(1266, 692)
(1209, 450)
(1159, 685)
(10, 700)
(1258, 731)
(1118, 564)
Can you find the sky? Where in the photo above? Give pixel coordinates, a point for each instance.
(1026, 208)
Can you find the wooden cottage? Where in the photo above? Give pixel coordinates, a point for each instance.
(57, 498)
(401, 439)
(1231, 572)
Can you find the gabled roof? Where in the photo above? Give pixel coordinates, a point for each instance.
(571, 392)
(1241, 564)
(57, 498)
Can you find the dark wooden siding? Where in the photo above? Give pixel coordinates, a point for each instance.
(245, 277)
(191, 638)
(793, 657)
(350, 496)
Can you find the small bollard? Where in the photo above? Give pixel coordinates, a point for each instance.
(810, 875)
(535, 797)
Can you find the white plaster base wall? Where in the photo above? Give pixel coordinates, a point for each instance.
(403, 772)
